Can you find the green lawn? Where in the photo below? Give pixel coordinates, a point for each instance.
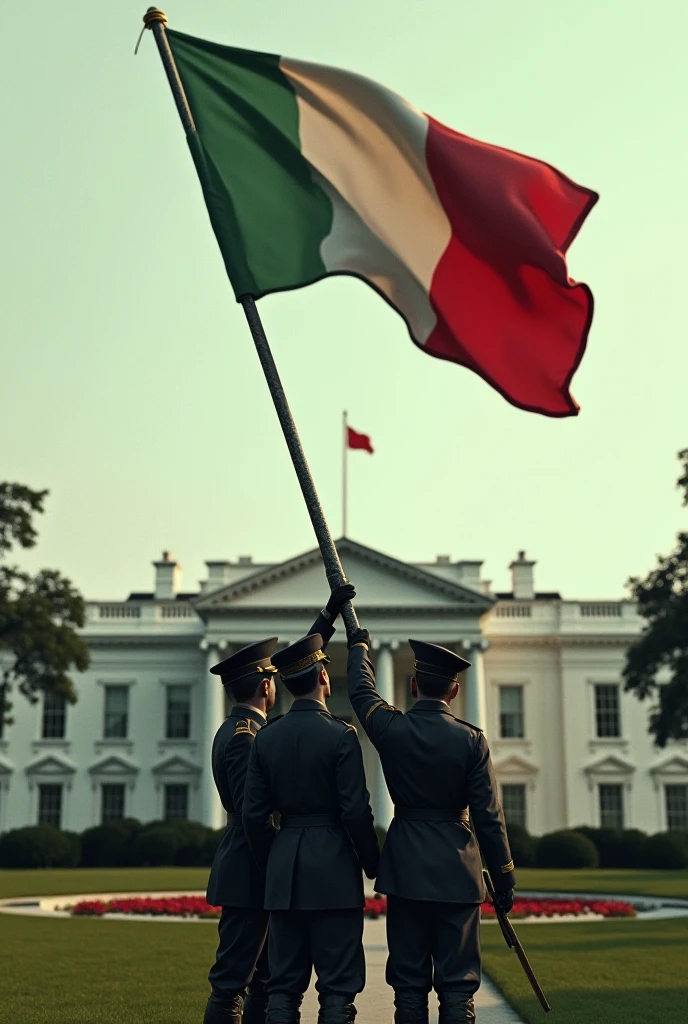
(110, 972)
(632, 883)
(61, 881)
(612, 972)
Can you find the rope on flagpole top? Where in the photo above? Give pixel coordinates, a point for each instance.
(155, 20)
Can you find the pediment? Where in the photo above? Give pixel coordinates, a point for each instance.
(612, 764)
(676, 765)
(114, 764)
(381, 582)
(515, 765)
(48, 765)
(175, 764)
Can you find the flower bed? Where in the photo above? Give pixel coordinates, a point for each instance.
(375, 906)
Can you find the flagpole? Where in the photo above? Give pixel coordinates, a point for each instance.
(156, 20)
(345, 473)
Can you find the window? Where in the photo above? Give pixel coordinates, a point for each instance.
(178, 717)
(50, 805)
(176, 801)
(514, 804)
(611, 806)
(116, 712)
(607, 717)
(112, 802)
(54, 717)
(511, 712)
(676, 808)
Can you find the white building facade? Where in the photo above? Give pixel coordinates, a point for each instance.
(569, 746)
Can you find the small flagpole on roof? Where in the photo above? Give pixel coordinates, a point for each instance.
(156, 20)
(345, 473)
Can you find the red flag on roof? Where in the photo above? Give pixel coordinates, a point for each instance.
(361, 441)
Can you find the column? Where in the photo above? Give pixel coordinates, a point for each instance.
(384, 678)
(212, 811)
(476, 702)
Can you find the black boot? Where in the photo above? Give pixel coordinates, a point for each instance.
(410, 1006)
(284, 1008)
(224, 1011)
(336, 1008)
(255, 1007)
(456, 1008)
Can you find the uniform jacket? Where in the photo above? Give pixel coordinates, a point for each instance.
(310, 763)
(432, 760)
(235, 878)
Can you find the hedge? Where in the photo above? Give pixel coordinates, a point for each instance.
(566, 849)
(666, 851)
(617, 848)
(38, 846)
(523, 846)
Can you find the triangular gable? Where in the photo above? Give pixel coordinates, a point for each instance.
(175, 764)
(51, 764)
(381, 581)
(114, 764)
(612, 764)
(515, 766)
(676, 765)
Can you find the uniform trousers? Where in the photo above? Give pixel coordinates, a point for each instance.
(433, 945)
(331, 941)
(241, 961)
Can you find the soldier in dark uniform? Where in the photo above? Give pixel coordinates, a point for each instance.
(236, 882)
(439, 773)
(309, 767)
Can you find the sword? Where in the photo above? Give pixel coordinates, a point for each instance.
(512, 941)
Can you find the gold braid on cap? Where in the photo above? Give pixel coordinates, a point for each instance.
(299, 666)
(426, 669)
(251, 670)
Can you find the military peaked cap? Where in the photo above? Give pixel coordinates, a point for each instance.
(432, 660)
(254, 660)
(301, 655)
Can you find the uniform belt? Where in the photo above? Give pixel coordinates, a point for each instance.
(432, 813)
(233, 819)
(308, 820)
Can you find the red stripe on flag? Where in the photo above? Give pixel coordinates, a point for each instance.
(505, 305)
(361, 441)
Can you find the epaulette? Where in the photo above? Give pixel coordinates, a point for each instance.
(347, 724)
(243, 727)
(270, 721)
(382, 704)
(469, 724)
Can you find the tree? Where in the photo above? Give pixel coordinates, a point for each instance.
(663, 602)
(39, 644)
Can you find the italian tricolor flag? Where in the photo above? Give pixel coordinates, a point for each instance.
(310, 171)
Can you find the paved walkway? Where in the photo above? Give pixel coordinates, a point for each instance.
(375, 1002)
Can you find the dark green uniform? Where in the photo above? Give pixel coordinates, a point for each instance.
(438, 772)
(308, 766)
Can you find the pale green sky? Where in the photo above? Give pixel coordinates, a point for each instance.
(130, 386)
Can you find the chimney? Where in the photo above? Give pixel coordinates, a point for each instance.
(168, 574)
(522, 581)
(469, 574)
(218, 575)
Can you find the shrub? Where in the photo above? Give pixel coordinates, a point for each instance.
(566, 849)
(617, 848)
(75, 845)
(523, 846)
(37, 846)
(109, 845)
(192, 837)
(666, 852)
(155, 847)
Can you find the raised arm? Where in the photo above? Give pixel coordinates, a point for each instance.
(354, 802)
(372, 711)
(487, 818)
(257, 810)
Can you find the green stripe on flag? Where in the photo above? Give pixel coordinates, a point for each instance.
(268, 214)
